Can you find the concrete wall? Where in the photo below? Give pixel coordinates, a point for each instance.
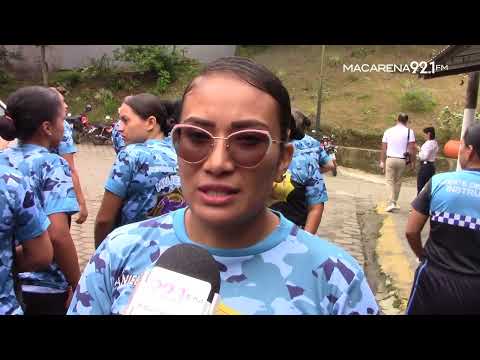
(367, 160)
(74, 56)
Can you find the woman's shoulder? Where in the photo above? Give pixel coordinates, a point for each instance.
(153, 233)
(53, 159)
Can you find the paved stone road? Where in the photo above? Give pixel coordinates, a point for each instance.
(93, 164)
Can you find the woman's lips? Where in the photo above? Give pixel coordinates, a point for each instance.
(216, 195)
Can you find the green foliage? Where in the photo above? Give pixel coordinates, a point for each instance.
(119, 83)
(67, 78)
(107, 99)
(5, 77)
(165, 62)
(449, 124)
(163, 81)
(364, 97)
(417, 100)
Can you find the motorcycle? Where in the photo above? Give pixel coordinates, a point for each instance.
(80, 124)
(101, 134)
(328, 143)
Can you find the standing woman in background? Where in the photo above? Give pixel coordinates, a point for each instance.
(309, 144)
(302, 194)
(427, 156)
(144, 180)
(67, 149)
(37, 116)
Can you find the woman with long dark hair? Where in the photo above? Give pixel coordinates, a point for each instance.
(36, 117)
(144, 181)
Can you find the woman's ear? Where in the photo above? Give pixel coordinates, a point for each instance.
(47, 128)
(285, 159)
(151, 123)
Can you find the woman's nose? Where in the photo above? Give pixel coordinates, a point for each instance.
(219, 159)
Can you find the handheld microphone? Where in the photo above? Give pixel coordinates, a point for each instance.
(184, 281)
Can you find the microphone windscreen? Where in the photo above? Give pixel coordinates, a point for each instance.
(194, 261)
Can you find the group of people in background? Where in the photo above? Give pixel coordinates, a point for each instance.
(228, 167)
(198, 170)
(447, 279)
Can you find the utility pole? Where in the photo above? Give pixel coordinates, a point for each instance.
(470, 105)
(319, 97)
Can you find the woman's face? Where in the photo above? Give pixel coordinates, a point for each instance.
(56, 127)
(218, 191)
(133, 128)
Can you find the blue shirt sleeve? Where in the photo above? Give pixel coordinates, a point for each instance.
(323, 157)
(58, 192)
(315, 189)
(29, 220)
(121, 174)
(358, 299)
(67, 146)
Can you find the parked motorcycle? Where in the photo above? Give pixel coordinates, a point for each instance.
(101, 134)
(328, 143)
(80, 124)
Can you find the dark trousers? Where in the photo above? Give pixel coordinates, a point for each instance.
(425, 173)
(438, 291)
(44, 304)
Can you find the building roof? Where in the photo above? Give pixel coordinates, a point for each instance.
(454, 59)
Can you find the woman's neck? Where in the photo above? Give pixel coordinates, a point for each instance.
(36, 140)
(157, 136)
(246, 234)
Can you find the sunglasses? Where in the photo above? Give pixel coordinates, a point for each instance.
(247, 148)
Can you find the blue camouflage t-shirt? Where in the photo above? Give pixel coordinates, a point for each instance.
(50, 179)
(303, 186)
(145, 176)
(66, 146)
(21, 219)
(288, 272)
(308, 144)
(117, 139)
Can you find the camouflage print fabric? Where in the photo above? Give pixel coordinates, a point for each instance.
(309, 144)
(288, 272)
(66, 146)
(145, 177)
(117, 138)
(305, 170)
(50, 179)
(302, 186)
(21, 219)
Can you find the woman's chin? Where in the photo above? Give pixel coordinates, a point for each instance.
(221, 216)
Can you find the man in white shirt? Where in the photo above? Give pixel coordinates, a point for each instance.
(427, 156)
(398, 151)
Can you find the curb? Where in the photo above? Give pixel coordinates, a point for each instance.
(392, 259)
